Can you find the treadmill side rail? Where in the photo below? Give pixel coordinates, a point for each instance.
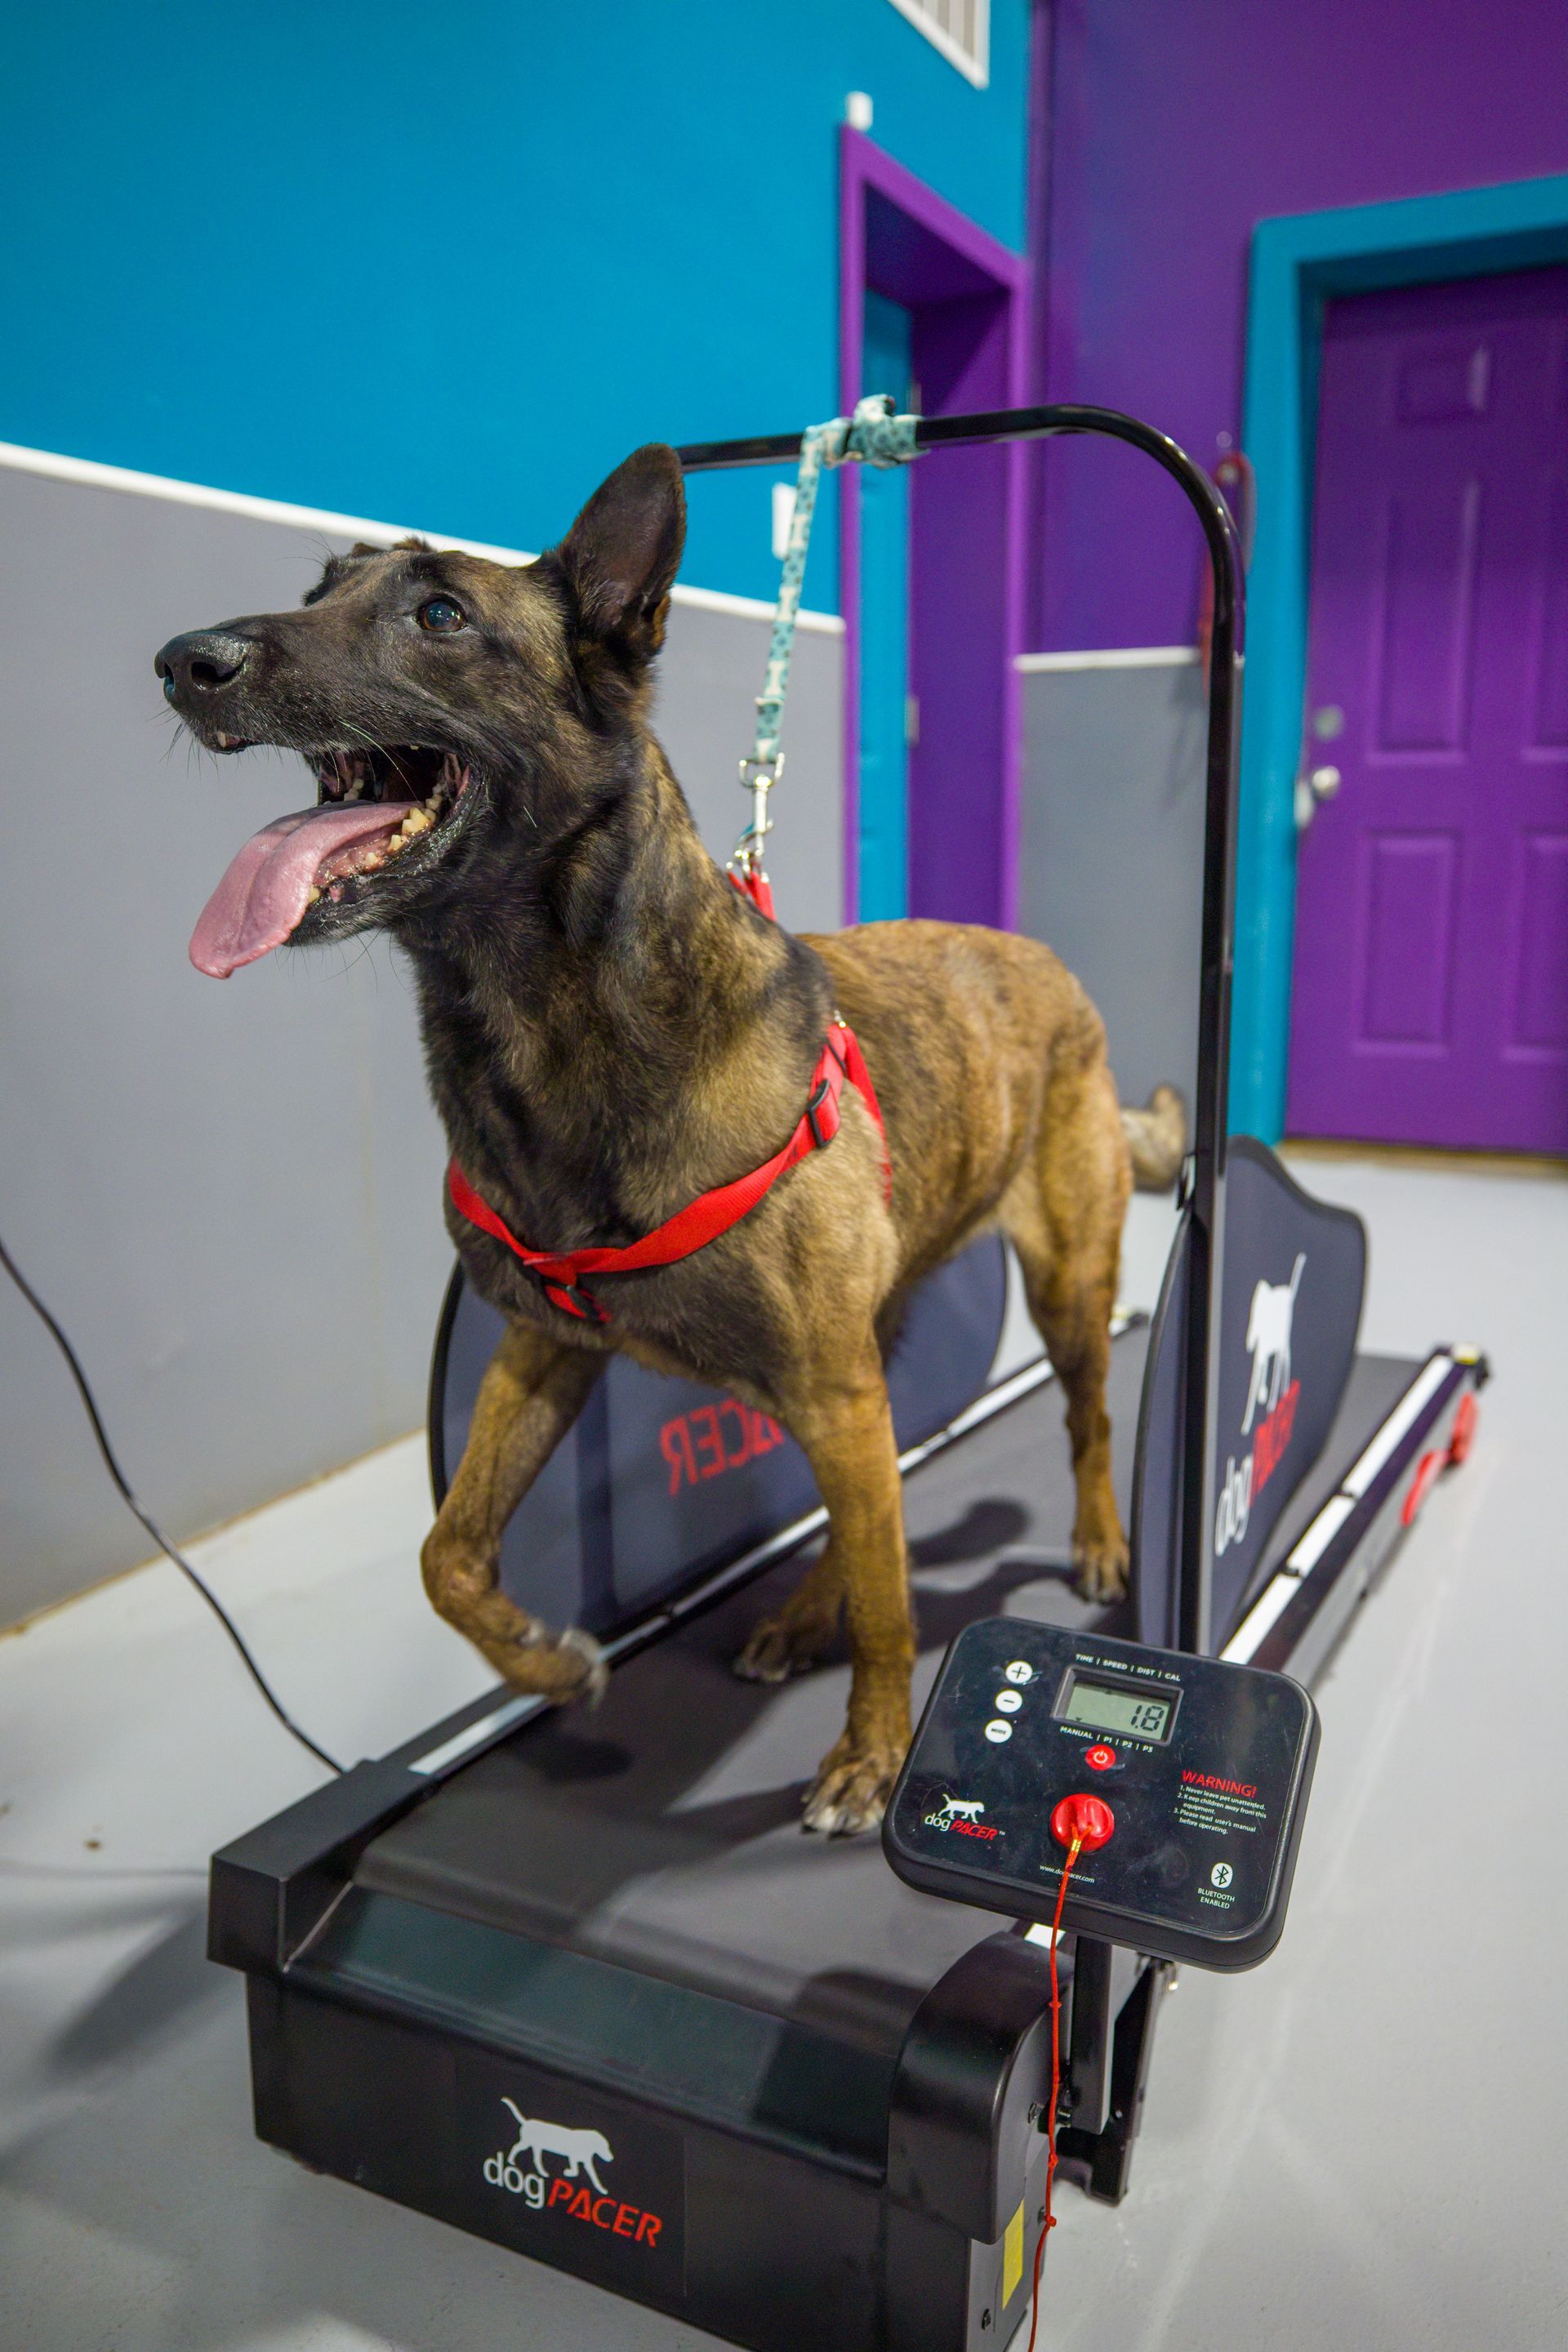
(1331, 1572)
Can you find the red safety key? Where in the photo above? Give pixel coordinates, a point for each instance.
(1089, 1820)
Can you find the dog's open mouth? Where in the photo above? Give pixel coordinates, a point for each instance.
(375, 806)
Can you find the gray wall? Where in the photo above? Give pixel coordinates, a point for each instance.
(231, 1194)
(1111, 853)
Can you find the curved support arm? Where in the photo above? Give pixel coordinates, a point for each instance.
(1210, 1112)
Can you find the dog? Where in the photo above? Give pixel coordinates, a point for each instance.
(1268, 1321)
(611, 1029)
(966, 1809)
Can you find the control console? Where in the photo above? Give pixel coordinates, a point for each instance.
(1199, 1772)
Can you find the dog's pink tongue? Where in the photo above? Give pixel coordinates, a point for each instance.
(267, 889)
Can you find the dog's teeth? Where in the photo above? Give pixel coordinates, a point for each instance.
(420, 822)
(313, 894)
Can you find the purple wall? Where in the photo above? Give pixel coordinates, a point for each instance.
(1173, 130)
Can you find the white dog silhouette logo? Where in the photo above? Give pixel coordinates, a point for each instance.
(581, 2154)
(968, 1809)
(1268, 1341)
(580, 2151)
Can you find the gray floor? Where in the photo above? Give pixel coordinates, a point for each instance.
(1359, 2145)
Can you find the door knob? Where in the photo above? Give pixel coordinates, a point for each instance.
(1315, 785)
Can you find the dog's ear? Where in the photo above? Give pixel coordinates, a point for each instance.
(620, 557)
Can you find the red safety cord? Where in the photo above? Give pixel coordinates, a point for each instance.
(1077, 1823)
(1048, 2221)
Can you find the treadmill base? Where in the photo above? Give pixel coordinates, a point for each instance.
(582, 1988)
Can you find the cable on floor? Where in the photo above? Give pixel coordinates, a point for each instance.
(171, 1551)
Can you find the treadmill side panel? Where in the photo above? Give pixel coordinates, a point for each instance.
(758, 2243)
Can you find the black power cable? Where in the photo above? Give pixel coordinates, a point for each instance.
(151, 1524)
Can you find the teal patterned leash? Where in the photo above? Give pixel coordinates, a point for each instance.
(875, 435)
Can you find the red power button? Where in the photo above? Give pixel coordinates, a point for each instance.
(1099, 1759)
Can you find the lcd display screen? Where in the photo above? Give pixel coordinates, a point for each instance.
(1110, 1707)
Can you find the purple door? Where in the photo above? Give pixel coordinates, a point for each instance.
(1431, 980)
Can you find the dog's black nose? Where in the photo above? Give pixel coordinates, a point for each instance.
(201, 661)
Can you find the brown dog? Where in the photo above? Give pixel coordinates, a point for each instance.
(611, 1030)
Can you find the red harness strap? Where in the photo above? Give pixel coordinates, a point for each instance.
(757, 888)
(561, 1272)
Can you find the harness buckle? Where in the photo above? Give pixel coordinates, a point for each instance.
(571, 1298)
(822, 1093)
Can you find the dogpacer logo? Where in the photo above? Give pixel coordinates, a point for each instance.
(961, 1814)
(577, 2191)
(1271, 1387)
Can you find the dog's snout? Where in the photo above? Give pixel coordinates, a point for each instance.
(201, 661)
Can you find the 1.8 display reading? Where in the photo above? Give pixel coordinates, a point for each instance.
(1108, 1707)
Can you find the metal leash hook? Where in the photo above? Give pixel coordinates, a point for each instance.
(875, 435)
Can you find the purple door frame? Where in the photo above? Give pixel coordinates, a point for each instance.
(968, 296)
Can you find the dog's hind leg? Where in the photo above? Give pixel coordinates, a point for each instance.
(1064, 1214)
(796, 1637)
(531, 1394)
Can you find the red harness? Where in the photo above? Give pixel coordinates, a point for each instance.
(561, 1272)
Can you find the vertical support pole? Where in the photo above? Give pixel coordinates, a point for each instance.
(1211, 1111)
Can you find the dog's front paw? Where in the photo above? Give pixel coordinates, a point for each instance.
(1101, 1567)
(852, 1791)
(562, 1667)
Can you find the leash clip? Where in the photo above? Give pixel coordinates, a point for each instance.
(759, 773)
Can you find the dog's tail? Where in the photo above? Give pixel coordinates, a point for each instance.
(1157, 1138)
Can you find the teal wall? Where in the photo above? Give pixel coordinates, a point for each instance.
(883, 865)
(446, 265)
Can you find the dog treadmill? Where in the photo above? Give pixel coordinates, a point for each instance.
(577, 1982)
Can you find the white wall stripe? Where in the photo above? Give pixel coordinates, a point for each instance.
(92, 476)
(1113, 657)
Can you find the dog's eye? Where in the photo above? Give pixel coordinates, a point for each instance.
(441, 616)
